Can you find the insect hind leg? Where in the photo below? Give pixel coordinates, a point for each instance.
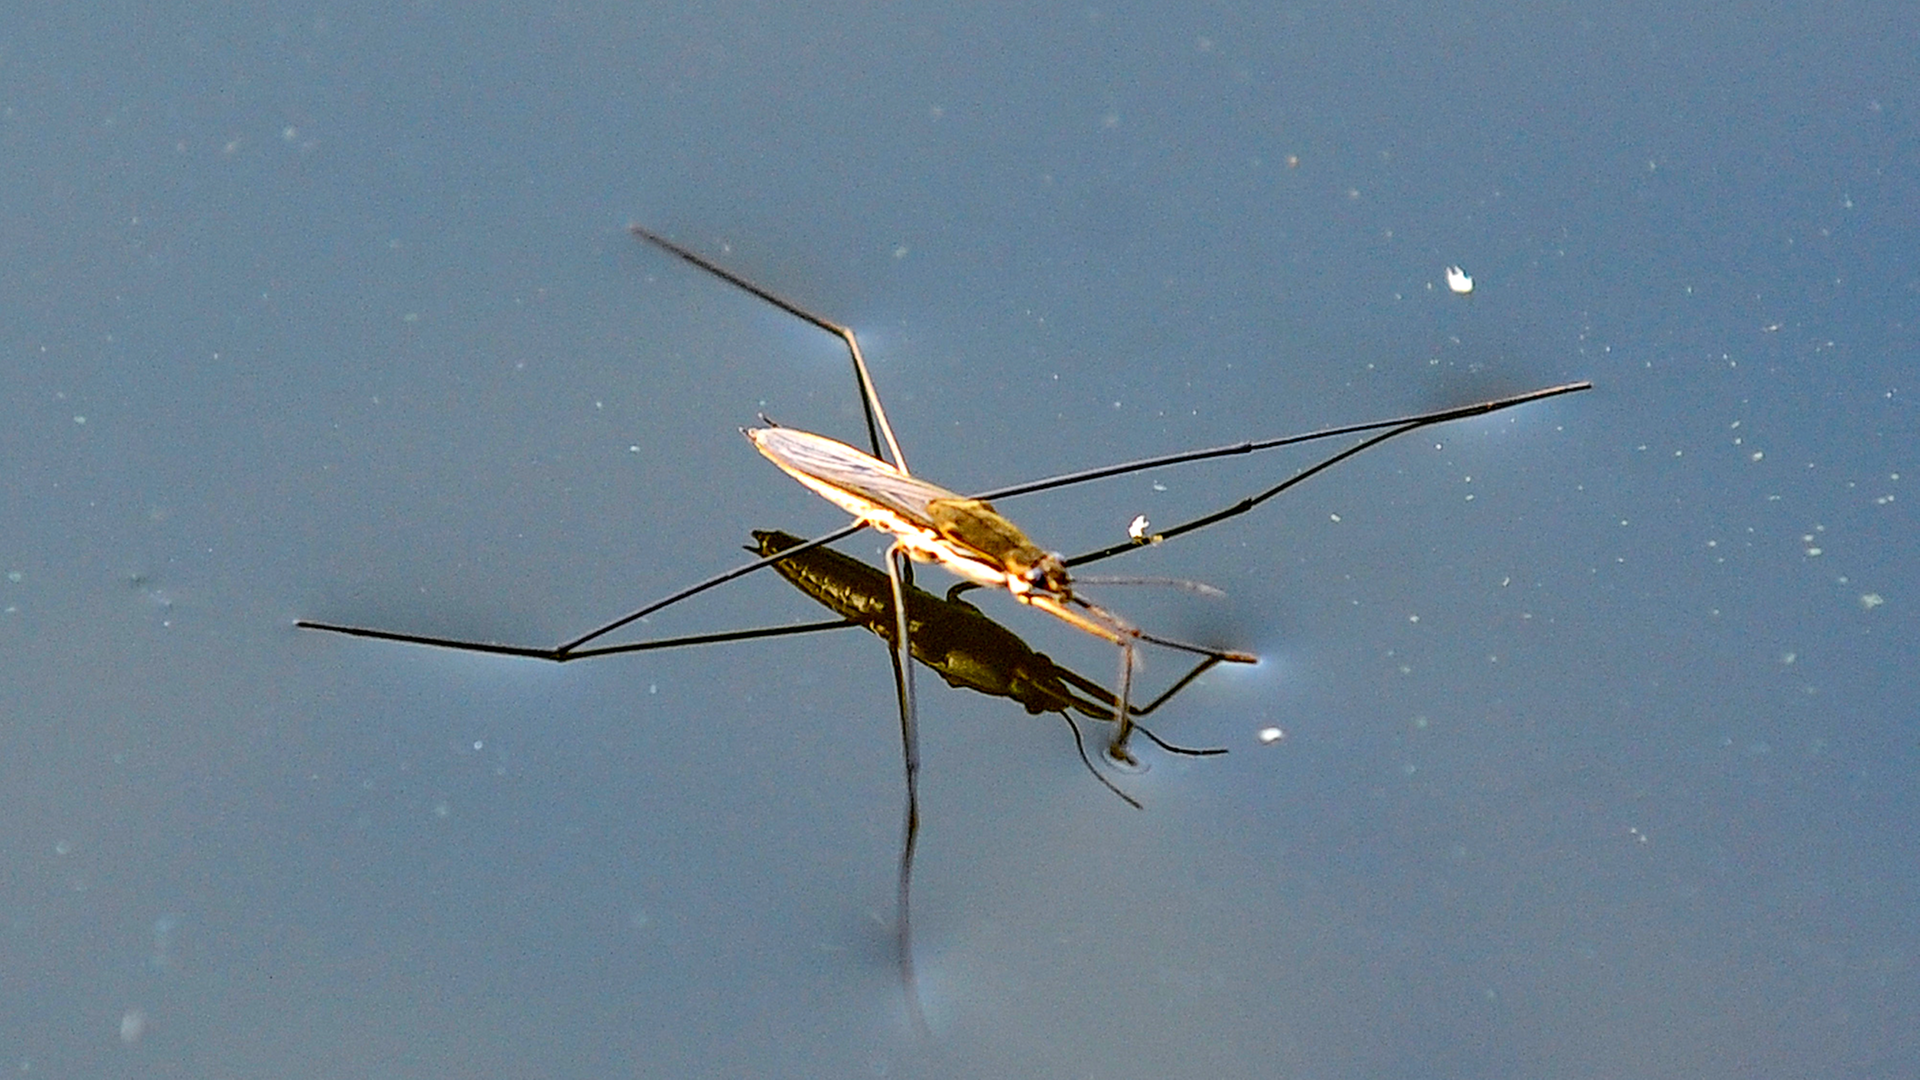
(878, 429)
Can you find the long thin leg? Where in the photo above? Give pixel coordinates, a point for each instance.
(1388, 429)
(558, 657)
(910, 756)
(877, 426)
(1100, 703)
(1117, 748)
(1408, 423)
(572, 650)
(717, 579)
(898, 572)
(1105, 624)
(1079, 744)
(1243, 505)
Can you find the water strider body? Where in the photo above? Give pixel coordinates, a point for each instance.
(962, 535)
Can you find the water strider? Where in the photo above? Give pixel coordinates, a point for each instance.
(962, 534)
(962, 645)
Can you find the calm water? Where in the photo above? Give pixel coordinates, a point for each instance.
(1598, 757)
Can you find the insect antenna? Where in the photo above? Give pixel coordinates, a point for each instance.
(1183, 584)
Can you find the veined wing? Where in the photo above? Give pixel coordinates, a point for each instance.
(847, 476)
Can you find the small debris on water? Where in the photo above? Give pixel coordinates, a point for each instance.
(1459, 281)
(1271, 735)
(1137, 528)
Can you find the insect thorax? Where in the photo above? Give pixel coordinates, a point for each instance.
(974, 524)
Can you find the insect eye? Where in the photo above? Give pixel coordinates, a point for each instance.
(1048, 576)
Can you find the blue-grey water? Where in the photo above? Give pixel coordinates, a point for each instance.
(1600, 749)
